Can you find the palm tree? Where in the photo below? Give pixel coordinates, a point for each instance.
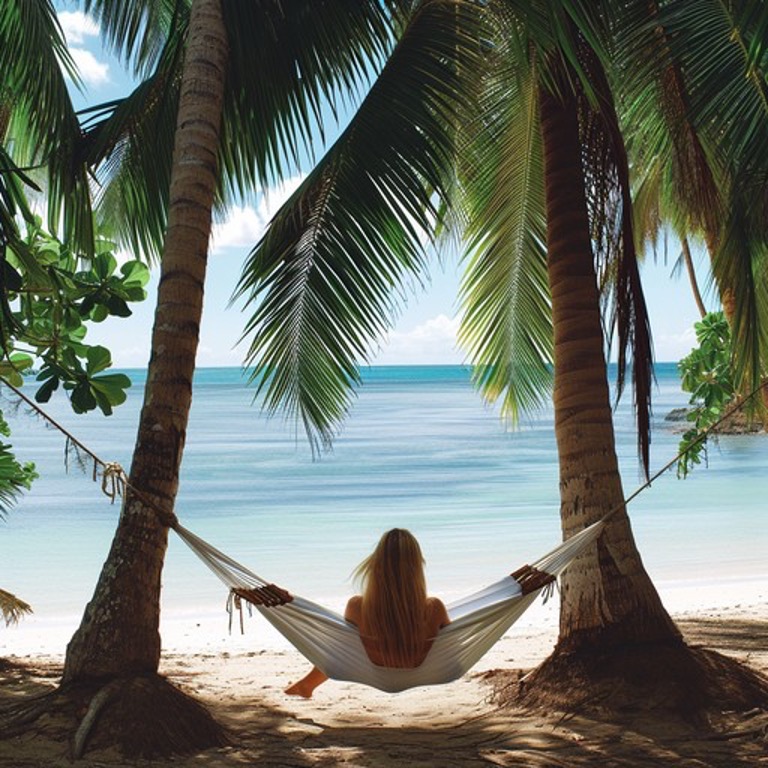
(546, 176)
(129, 642)
(234, 133)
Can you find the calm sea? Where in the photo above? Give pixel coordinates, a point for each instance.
(419, 450)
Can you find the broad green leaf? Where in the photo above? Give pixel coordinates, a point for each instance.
(135, 273)
(43, 394)
(99, 358)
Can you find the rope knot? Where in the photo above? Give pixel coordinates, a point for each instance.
(113, 480)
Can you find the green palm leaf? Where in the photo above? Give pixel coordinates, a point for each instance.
(42, 127)
(130, 140)
(507, 324)
(138, 30)
(291, 64)
(325, 280)
(286, 60)
(740, 264)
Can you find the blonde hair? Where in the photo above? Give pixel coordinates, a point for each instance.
(394, 599)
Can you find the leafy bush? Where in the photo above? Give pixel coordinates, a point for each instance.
(706, 374)
(53, 294)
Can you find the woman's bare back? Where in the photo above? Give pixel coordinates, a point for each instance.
(437, 617)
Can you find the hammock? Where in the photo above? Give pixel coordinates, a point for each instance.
(334, 645)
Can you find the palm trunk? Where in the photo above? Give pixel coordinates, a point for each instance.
(688, 259)
(119, 633)
(607, 597)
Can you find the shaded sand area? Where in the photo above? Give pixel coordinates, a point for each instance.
(453, 725)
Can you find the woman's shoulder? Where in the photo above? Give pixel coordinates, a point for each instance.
(353, 610)
(437, 611)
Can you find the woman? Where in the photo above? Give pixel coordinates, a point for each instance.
(396, 619)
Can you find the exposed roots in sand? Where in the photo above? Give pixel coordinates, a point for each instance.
(142, 716)
(671, 682)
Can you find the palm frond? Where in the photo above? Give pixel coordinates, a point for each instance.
(130, 141)
(137, 31)
(12, 608)
(13, 204)
(507, 324)
(43, 128)
(725, 73)
(607, 188)
(661, 125)
(292, 65)
(324, 281)
(739, 268)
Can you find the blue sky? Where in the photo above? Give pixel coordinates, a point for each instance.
(425, 330)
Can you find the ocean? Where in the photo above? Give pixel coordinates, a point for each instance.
(419, 450)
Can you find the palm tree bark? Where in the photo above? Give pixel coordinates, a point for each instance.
(119, 633)
(607, 596)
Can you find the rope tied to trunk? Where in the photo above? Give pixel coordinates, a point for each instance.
(113, 480)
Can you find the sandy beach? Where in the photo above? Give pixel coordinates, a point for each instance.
(453, 725)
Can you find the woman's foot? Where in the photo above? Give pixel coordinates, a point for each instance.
(300, 689)
(306, 686)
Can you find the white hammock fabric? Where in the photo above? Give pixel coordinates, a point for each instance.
(334, 645)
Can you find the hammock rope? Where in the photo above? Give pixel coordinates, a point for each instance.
(114, 479)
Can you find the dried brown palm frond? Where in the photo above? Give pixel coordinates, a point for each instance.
(12, 608)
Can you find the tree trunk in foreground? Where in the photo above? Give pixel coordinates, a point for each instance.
(119, 634)
(619, 655)
(607, 597)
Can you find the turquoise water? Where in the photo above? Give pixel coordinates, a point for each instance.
(419, 450)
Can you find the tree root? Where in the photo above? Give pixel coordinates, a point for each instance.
(15, 719)
(144, 717)
(98, 702)
(670, 681)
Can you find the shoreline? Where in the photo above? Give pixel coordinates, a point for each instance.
(209, 629)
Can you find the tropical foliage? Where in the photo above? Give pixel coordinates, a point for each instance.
(54, 294)
(699, 143)
(707, 374)
(15, 477)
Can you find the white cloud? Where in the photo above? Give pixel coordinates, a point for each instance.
(671, 347)
(245, 225)
(77, 26)
(92, 71)
(430, 343)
